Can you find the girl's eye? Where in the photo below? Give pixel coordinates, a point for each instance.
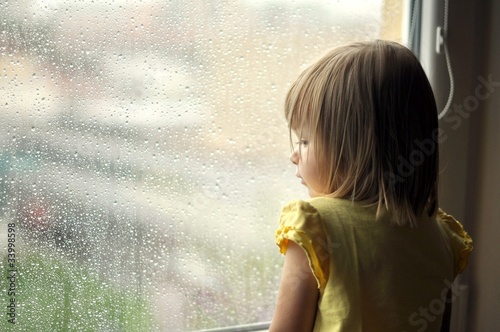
(302, 142)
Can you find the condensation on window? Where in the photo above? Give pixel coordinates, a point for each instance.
(144, 155)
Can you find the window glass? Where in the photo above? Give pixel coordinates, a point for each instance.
(144, 155)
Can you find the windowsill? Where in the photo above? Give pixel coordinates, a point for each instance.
(255, 327)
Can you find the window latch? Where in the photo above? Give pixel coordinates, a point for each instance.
(439, 40)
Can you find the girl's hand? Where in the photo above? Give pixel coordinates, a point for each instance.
(298, 294)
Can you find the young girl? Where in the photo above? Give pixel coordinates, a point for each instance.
(370, 250)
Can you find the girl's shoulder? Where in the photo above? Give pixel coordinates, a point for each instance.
(312, 210)
(329, 203)
(301, 223)
(300, 214)
(342, 211)
(459, 239)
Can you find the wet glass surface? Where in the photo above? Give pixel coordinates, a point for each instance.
(144, 156)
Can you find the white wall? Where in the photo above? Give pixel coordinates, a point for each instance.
(470, 156)
(485, 153)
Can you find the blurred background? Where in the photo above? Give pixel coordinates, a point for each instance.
(144, 154)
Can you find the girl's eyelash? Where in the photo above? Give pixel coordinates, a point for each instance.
(302, 142)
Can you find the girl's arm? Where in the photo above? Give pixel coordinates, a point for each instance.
(297, 295)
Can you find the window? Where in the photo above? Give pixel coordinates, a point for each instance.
(144, 155)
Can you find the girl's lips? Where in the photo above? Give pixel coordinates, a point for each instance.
(301, 180)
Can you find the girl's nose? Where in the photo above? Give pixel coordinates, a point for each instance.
(294, 157)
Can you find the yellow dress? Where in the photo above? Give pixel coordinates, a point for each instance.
(373, 275)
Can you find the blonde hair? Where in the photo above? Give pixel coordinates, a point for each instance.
(370, 109)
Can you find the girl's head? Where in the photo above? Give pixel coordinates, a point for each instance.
(367, 115)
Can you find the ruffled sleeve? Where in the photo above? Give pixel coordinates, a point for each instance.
(460, 241)
(301, 223)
